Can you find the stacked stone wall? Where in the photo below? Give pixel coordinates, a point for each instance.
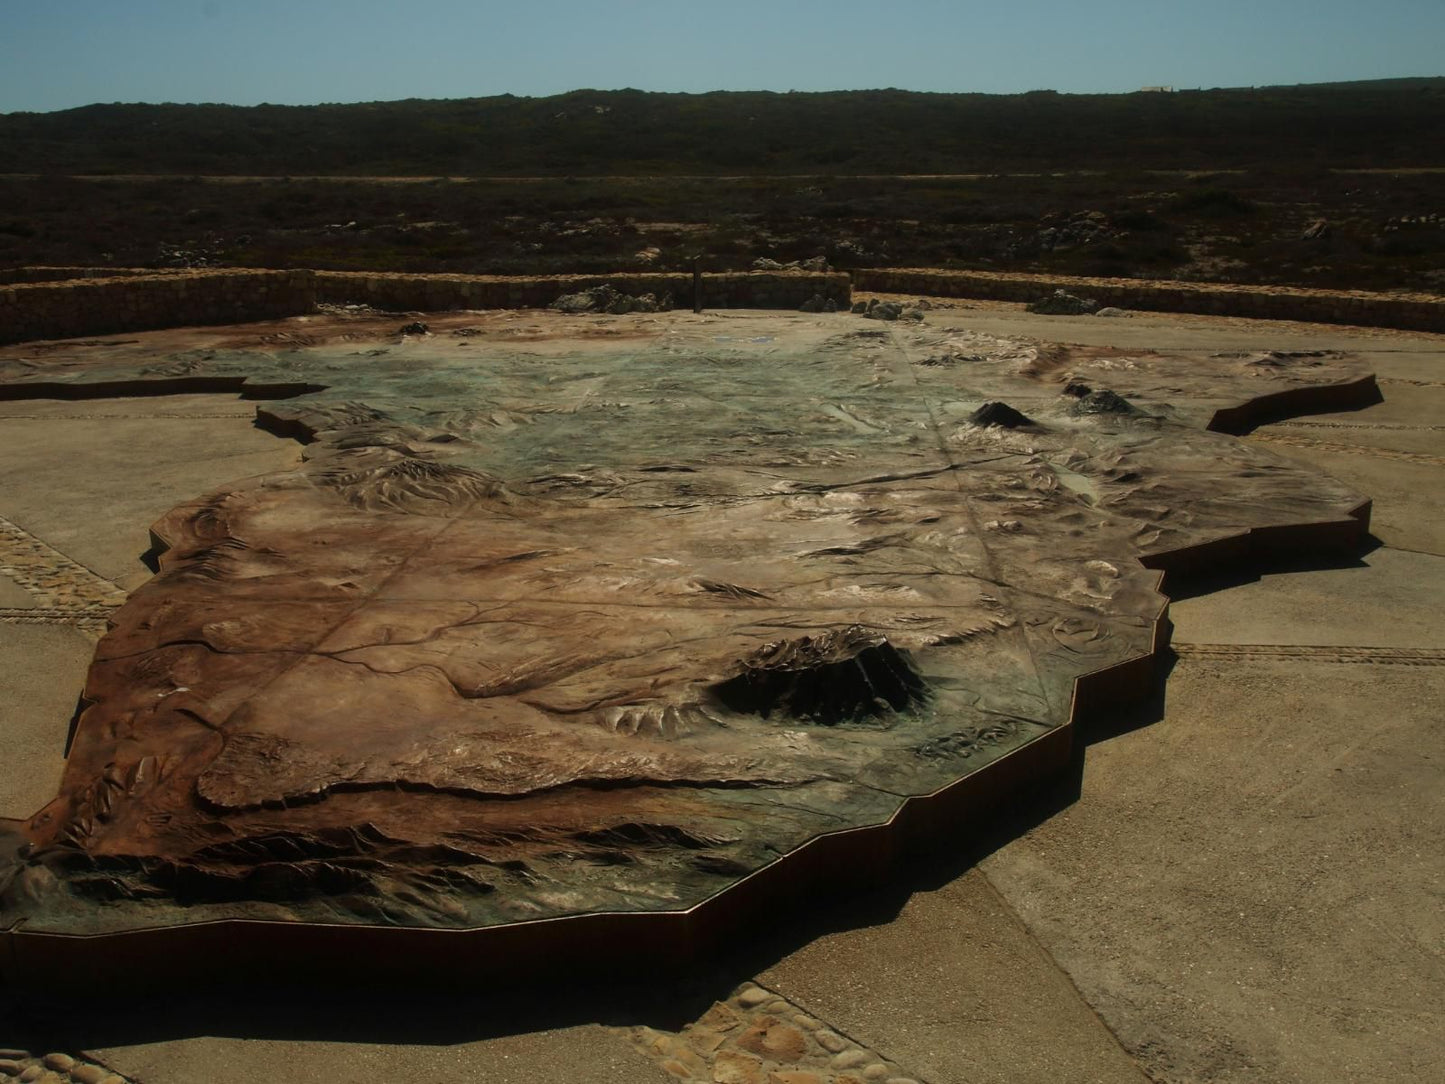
(435, 293)
(64, 310)
(63, 274)
(1413, 312)
(49, 303)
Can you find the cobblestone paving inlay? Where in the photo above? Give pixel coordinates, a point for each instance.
(1348, 449)
(67, 592)
(1407, 380)
(1382, 426)
(1390, 656)
(759, 1037)
(54, 1069)
(53, 578)
(92, 621)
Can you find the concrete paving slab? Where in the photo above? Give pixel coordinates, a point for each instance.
(1417, 364)
(577, 1055)
(13, 596)
(1403, 404)
(1391, 598)
(1184, 333)
(91, 487)
(1249, 888)
(42, 670)
(1419, 367)
(1409, 501)
(957, 989)
(211, 405)
(1420, 442)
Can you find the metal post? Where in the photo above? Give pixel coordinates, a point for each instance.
(697, 284)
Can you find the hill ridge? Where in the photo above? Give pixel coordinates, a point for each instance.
(1394, 122)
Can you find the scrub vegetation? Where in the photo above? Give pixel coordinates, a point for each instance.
(1330, 185)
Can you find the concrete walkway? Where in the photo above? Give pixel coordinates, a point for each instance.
(1240, 882)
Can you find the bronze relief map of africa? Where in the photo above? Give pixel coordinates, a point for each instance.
(579, 615)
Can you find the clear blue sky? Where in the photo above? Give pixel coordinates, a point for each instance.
(55, 54)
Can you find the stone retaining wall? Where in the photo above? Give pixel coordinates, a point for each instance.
(64, 274)
(1414, 312)
(64, 310)
(436, 293)
(44, 303)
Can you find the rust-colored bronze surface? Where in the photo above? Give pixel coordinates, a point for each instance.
(606, 614)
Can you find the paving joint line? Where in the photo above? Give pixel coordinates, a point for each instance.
(1339, 653)
(53, 579)
(1032, 935)
(970, 506)
(1407, 380)
(1347, 449)
(1383, 426)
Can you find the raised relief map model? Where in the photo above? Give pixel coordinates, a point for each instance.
(570, 615)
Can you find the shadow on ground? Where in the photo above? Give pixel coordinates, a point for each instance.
(1254, 571)
(456, 1009)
